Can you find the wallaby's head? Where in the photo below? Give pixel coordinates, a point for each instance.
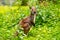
(33, 10)
(33, 13)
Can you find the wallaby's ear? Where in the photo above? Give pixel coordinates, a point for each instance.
(29, 7)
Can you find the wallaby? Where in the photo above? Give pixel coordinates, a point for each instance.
(27, 22)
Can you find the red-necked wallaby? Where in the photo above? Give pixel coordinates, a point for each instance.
(27, 22)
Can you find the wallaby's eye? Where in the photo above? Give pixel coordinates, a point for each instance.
(34, 12)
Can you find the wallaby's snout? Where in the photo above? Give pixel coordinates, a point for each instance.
(33, 10)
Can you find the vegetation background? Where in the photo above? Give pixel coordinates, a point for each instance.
(47, 20)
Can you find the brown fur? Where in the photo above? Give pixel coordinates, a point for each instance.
(27, 22)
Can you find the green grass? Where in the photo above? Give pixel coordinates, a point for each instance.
(47, 23)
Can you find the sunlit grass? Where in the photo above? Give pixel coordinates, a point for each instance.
(40, 32)
(4, 9)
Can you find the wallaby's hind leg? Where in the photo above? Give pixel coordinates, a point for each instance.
(26, 30)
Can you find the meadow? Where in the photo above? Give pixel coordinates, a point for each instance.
(47, 26)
